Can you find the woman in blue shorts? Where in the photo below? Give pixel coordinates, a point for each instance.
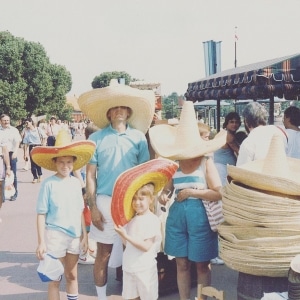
(188, 234)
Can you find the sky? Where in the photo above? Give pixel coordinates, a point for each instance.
(153, 40)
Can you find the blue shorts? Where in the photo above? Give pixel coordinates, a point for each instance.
(188, 232)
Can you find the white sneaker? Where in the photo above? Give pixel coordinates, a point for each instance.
(217, 261)
(86, 259)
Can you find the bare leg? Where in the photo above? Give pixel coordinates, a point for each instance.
(70, 263)
(183, 277)
(53, 290)
(203, 274)
(101, 263)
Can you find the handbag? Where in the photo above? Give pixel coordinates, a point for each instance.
(214, 210)
(214, 213)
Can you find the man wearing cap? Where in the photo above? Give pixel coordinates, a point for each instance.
(123, 115)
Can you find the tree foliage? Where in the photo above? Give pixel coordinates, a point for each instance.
(103, 79)
(170, 106)
(29, 83)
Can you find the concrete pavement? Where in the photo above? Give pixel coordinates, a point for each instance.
(18, 264)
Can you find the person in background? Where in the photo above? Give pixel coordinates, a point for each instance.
(291, 122)
(123, 114)
(227, 155)
(60, 222)
(33, 137)
(52, 130)
(14, 139)
(256, 144)
(5, 168)
(189, 237)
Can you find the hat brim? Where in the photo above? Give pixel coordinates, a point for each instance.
(165, 143)
(96, 103)
(252, 174)
(295, 263)
(82, 150)
(157, 171)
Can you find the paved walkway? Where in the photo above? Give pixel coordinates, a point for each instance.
(18, 264)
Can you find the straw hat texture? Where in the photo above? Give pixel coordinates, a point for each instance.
(276, 173)
(157, 171)
(246, 206)
(96, 103)
(183, 141)
(82, 150)
(264, 251)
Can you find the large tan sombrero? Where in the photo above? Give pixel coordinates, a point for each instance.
(275, 173)
(183, 141)
(157, 171)
(96, 103)
(82, 150)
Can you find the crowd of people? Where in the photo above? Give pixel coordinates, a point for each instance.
(113, 144)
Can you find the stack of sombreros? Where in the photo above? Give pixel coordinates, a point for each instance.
(96, 103)
(261, 208)
(82, 150)
(156, 171)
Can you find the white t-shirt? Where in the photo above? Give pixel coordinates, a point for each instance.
(293, 147)
(256, 144)
(144, 227)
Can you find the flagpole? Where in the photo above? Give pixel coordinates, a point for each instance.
(235, 38)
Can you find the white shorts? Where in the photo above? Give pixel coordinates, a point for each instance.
(108, 235)
(59, 243)
(142, 284)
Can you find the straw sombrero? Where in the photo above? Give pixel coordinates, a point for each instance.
(96, 103)
(275, 173)
(157, 171)
(183, 141)
(82, 150)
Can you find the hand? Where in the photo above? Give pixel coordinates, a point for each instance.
(164, 197)
(97, 218)
(40, 251)
(182, 195)
(84, 246)
(121, 231)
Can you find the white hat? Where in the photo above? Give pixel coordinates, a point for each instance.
(96, 103)
(184, 140)
(50, 268)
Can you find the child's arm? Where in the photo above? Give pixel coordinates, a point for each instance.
(41, 248)
(143, 245)
(84, 237)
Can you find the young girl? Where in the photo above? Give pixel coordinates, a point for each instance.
(60, 222)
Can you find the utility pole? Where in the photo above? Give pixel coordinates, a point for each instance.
(235, 40)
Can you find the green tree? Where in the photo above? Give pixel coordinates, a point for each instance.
(104, 78)
(170, 106)
(29, 83)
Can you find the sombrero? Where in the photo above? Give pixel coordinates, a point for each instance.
(96, 103)
(157, 171)
(183, 141)
(275, 173)
(82, 150)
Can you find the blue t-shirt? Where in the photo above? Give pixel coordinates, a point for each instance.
(115, 153)
(62, 202)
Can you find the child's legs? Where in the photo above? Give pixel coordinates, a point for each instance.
(53, 290)
(70, 263)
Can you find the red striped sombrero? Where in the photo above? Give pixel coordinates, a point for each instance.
(157, 171)
(82, 150)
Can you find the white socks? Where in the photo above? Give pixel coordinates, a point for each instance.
(101, 292)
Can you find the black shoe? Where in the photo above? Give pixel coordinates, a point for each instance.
(13, 198)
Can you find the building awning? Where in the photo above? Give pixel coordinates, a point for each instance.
(278, 77)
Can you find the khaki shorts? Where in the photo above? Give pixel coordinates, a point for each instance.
(59, 243)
